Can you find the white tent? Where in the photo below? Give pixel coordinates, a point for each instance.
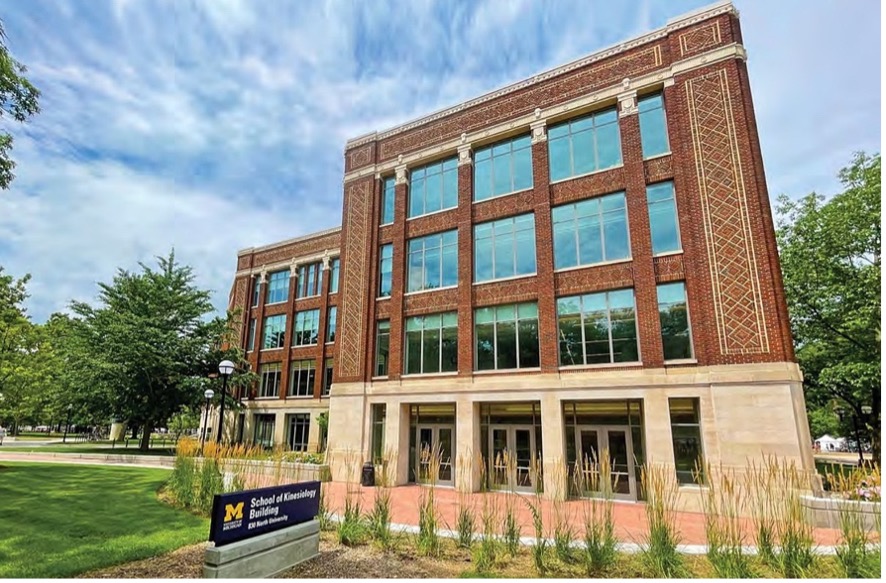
(828, 443)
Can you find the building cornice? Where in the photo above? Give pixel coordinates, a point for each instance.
(278, 244)
(677, 23)
(291, 263)
(601, 97)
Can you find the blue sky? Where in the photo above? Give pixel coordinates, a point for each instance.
(213, 125)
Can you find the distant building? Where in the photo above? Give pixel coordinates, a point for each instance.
(582, 261)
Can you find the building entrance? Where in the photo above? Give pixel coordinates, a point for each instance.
(434, 453)
(592, 442)
(513, 463)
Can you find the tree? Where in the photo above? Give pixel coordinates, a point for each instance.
(149, 346)
(18, 99)
(830, 257)
(17, 339)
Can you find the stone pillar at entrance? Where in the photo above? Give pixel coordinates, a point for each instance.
(467, 454)
(397, 441)
(553, 448)
(657, 421)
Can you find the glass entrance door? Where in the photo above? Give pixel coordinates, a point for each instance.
(615, 442)
(512, 449)
(434, 454)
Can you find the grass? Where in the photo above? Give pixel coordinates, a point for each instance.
(79, 448)
(63, 520)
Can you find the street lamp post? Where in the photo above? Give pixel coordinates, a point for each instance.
(67, 423)
(209, 394)
(225, 368)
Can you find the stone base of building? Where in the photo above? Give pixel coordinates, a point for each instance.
(547, 423)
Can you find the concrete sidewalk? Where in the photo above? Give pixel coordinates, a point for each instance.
(140, 461)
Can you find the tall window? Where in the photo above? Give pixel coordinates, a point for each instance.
(278, 287)
(598, 328)
(307, 324)
(584, 145)
(663, 217)
(250, 338)
(431, 343)
(433, 187)
(591, 231)
(433, 261)
(274, 332)
(385, 270)
(382, 347)
(327, 377)
(674, 317)
(653, 128)
(504, 248)
(686, 433)
(299, 428)
(377, 447)
(503, 168)
(333, 282)
(270, 380)
(330, 324)
(387, 201)
(301, 378)
(506, 337)
(310, 280)
(264, 430)
(256, 287)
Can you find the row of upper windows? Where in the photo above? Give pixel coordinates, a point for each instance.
(301, 379)
(595, 328)
(305, 329)
(585, 233)
(310, 283)
(575, 147)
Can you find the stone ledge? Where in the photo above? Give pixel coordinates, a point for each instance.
(264, 555)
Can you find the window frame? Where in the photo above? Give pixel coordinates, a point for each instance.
(510, 156)
(385, 203)
(276, 278)
(696, 403)
(250, 335)
(331, 323)
(279, 329)
(584, 347)
(268, 369)
(310, 275)
(309, 372)
(649, 205)
(295, 422)
(664, 115)
(335, 272)
(516, 323)
(379, 333)
(575, 229)
(571, 141)
(440, 329)
(514, 251)
(382, 262)
(453, 161)
(424, 250)
(328, 376)
(256, 292)
(296, 331)
(260, 420)
(691, 357)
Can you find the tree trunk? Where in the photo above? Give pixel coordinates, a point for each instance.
(134, 431)
(146, 437)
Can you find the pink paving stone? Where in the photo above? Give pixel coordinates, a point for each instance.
(630, 519)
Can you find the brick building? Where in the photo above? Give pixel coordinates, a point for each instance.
(583, 260)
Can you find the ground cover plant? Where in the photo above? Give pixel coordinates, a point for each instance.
(61, 520)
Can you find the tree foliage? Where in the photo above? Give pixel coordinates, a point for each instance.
(18, 100)
(148, 349)
(17, 342)
(830, 257)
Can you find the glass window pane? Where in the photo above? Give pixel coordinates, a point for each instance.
(484, 315)
(449, 348)
(431, 350)
(483, 260)
(608, 146)
(415, 276)
(503, 251)
(450, 266)
(615, 234)
(525, 253)
(558, 131)
(528, 343)
(653, 133)
(450, 189)
(433, 193)
(501, 172)
(527, 310)
(432, 268)
(413, 352)
(565, 250)
(583, 152)
(590, 245)
(559, 158)
(506, 347)
(482, 179)
(485, 348)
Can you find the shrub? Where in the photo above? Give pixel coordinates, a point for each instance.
(428, 539)
(723, 504)
(593, 480)
(660, 553)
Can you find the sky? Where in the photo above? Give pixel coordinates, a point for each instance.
(209, 126)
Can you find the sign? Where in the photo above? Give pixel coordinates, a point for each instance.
(240, 515)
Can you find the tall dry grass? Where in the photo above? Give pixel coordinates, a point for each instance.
(562, 531)
(428, 518)
(465, 521)
(594, 483)
(724, 502)
(859, 550)
(662, 493)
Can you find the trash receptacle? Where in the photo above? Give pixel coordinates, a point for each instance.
(368, 474)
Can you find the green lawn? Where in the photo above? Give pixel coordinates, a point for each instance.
(62, 520)
(84, 448)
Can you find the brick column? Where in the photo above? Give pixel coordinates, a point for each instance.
(465, 262)
(544, 250)
(398, 283)
(259, 324)
(287, 335)
(648, 325)
(320, 353)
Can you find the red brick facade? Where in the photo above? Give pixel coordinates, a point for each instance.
(729, 259)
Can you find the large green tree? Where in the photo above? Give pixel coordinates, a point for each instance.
(830, 257)
(18, 100)
(149, 347)
(17, 342)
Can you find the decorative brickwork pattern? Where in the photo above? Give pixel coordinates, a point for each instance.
(658, 169)
(700, 38)
(354, 290)
(359, 157)
(737, 301)
(669, 268)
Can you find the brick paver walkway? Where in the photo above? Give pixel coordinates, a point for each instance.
(630, 519)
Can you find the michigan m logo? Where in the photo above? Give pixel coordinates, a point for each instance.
(233, 512)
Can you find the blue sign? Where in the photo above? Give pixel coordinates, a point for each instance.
(241, 515)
